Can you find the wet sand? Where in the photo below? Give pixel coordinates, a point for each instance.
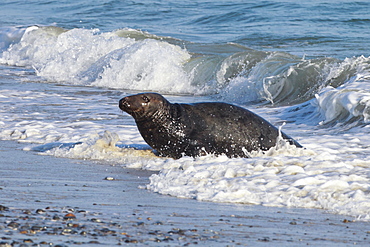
(48, 201)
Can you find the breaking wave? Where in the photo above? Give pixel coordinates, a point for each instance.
(134, 60)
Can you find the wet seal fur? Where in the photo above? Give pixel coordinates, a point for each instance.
(175, 130)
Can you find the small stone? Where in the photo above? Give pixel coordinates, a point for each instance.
(25, 227)
(69, 216)
(133, 241)
(40, 211)
(94, 242)
(37, 228)
(56, 217)
(177, 231)
(167, 239)
(13, 225)
(73, 225)
(265, 239)
(109, 178)
(3, 244)
(66, 231)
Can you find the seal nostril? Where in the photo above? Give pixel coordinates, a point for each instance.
(123, 103)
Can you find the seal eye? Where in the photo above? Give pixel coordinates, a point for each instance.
(145, 99)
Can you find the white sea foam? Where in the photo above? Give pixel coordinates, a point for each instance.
(305, 179)
(88, 57)
(150, 64)
(289, 177)
(350, 101)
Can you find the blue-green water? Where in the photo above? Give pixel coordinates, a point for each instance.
(314, 28)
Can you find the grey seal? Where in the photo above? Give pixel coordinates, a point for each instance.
(176, 130)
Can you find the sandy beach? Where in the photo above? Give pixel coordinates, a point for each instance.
(48, 201)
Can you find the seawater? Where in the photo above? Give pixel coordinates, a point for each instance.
(303, 66)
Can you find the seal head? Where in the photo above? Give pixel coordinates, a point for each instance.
(144, 106)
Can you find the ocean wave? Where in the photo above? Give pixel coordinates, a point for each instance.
(136, 60)
(344, 105)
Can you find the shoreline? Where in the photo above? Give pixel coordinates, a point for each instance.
(57, 201)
